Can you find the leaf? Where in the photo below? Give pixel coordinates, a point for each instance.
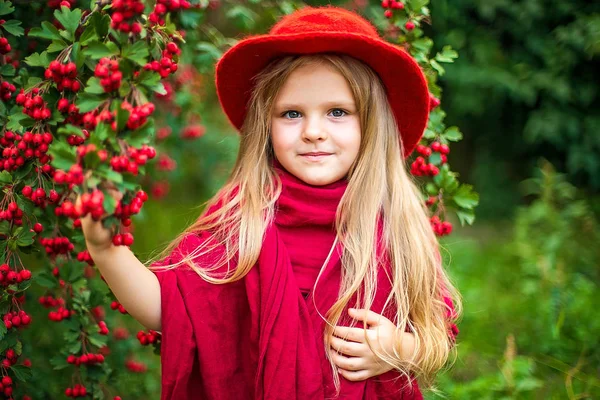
(14, 121)
(466, 216)
(26, 238)
(5, 177)
(465, 197)
(6, 8)
(136, 53)
(152, 81)
(435, 65)
(3, 331)
(69, 19)
(63, 155)
(14, 27)
(97, 339)
(59, 362)
(38, 60)
(447, 55)
(57, 45)
(47, 31)
(22, 372)
(87, 102)
(93, 86)
(88, 35)
(104, 171)
(7, 70)
(424, 45)
(45, 279)
(71, 130)
(453, 134)
(97, 50)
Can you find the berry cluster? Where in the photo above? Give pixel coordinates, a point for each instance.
(88, 359)
(12, 213)
(120, 333)
(166, 65)
(33, 104)
(57, 245)
(6, 90)
(71, 178)
(135, 366)
(38, 197)
(14, 319)
(94, 117)
(129, 163)
(49, 301)
(18, 148)
(390, 6)
(124, 212)
(138, 115)
(419, 167)
(11, 359)
(164, 6)
(9, 276)
(92, 203)
(6, 386)
(4, 46)
(116, 305)
(124, 13)
(60, 314)
(76, 391)
(108, 72)
(64, 75)
(84, 256)
(148, 338)
(439, 227)
(103, 329)
(193, 131)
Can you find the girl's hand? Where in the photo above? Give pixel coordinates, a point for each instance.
(96, 235)
(357, 362)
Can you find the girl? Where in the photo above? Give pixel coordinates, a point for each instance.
(314, 272)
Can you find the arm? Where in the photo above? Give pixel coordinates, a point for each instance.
(134, 285)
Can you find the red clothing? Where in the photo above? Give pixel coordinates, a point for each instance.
(258, 338)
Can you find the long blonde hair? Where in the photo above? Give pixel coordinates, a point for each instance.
(249, 195)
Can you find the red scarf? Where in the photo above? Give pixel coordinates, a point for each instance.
(258, 338)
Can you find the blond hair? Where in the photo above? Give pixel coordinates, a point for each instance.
(250, 193)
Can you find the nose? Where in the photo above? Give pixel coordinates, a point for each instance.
(314, 130)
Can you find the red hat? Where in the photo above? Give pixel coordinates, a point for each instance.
(313, 30)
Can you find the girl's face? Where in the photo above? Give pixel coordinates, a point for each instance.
(315, 112)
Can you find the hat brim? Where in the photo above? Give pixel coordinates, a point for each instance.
(403, 78)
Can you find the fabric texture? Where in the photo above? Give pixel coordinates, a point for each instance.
(327, 29)
(259, 338)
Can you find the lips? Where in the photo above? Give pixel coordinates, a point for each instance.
(316, 153)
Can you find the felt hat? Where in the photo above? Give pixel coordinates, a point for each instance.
(312, 30)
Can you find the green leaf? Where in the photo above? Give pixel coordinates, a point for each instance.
(70, 130)
(14, 121)
(466, 217)
(97, 339)
(447, 55)
(69, 19)
(22, 372)
(38, 60)
(14, 27)
(6, 7)
(45, 279)
(453, 134)
(93, 86)
(88, 102)
(435, 158)
(59, 361)
(437, 67)
(138, 52)
(47, 31)
(5, 177)
(465, 197)
(152, 81)
(97, 50)
(122, 115)
(57, 45)
(25, 238)
(88, 35)
(63, 155)
(105, 171)
(3, 331)
(142, 135)
(7, 70)
(103, 131)
(424, 45)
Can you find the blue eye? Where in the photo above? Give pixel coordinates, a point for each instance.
(292, 111)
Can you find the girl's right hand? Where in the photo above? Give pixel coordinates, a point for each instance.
(97, 237)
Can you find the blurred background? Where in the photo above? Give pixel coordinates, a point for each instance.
(524, 93)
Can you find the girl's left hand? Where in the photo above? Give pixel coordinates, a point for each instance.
(357, 362)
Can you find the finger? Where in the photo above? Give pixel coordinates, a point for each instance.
(359, 375)
(345, 347)
(347, 363)
(363, 314)
(351, 334)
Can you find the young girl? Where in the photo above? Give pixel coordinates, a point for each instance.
(314, 272)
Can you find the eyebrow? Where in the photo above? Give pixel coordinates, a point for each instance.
(342, 103)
